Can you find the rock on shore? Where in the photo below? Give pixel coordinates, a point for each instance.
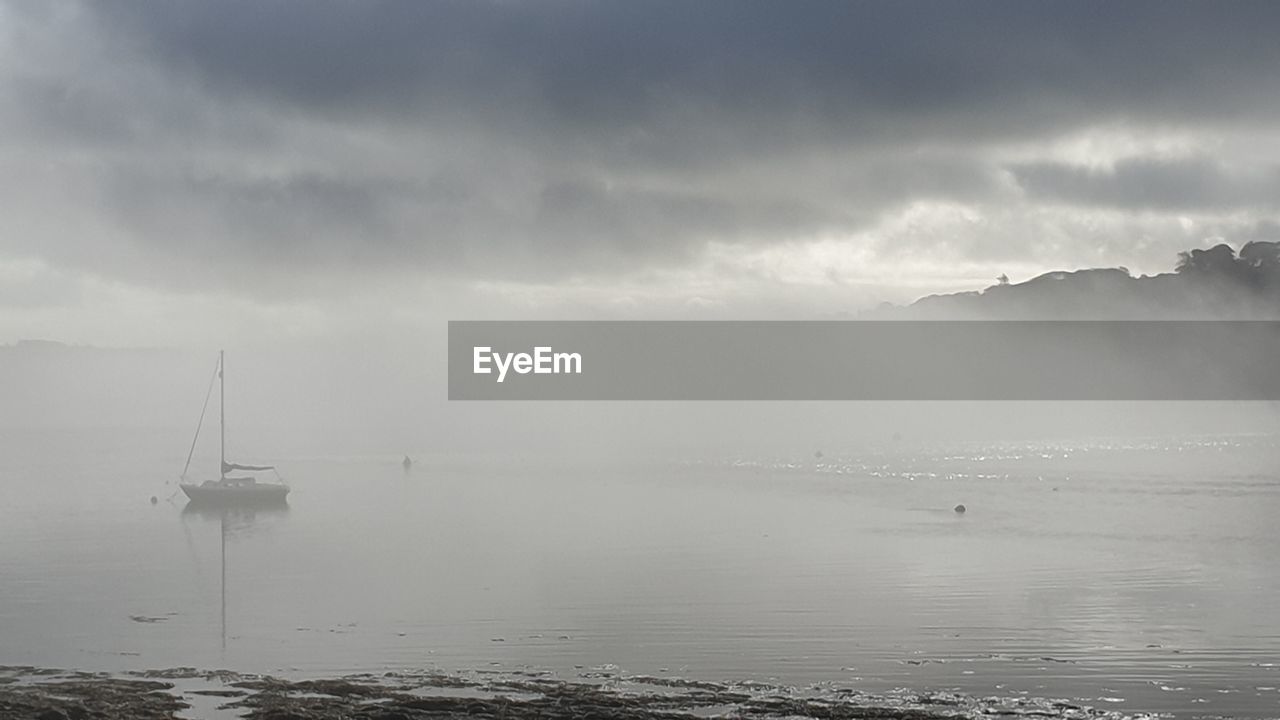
(28, 693)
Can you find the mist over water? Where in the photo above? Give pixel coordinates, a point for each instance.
(1134, 573)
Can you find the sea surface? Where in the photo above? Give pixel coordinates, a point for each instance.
(1135, 575)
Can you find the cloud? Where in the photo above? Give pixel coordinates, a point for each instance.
(277, 149)
(1185, 184)
(31, 285)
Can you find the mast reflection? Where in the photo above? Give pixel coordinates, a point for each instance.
(234, 522)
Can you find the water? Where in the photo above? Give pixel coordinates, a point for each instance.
(1128, 575)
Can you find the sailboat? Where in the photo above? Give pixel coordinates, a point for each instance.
(230, 490)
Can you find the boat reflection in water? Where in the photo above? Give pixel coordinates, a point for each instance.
(241, 520)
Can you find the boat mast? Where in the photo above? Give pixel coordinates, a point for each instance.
(222, 413)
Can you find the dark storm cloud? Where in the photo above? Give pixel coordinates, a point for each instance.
(542, 139)
(609, 66)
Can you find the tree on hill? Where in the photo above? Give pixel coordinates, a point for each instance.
(1217, 260)
(1257, 265)
(1262, 254)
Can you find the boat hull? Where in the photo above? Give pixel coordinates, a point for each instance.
(215, 494)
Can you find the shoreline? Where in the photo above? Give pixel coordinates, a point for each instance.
(54, 694)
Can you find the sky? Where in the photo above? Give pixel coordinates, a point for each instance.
(183, 173)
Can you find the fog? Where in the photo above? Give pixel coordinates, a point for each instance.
(317, 190)
(390, 399)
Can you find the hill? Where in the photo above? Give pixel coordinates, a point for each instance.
(1217, 283)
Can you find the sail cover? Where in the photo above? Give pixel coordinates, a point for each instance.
(228, 467)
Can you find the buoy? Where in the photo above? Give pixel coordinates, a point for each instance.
(960, 509)
(154, 500)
